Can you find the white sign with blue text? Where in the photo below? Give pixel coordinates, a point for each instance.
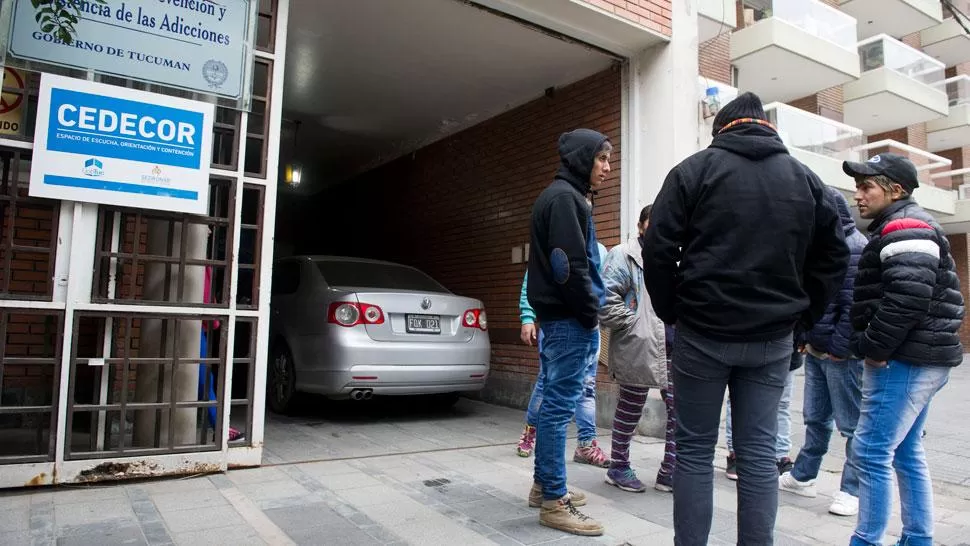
(200, 46)
(100, 143)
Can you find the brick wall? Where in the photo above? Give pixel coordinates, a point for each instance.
(958, 70)
(714, 59)
(653, 14)
(457, 207)
(914, 135)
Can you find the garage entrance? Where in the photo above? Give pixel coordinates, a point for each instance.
(420, 133)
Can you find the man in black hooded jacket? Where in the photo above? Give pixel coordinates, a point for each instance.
(565, 291)
(744, 244)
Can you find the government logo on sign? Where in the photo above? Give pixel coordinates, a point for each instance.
(93, 167)
(215, 73)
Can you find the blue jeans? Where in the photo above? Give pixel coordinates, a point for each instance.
(895, 401)
(755, 373)
(567, 348)
(585, 408)
(832, 392)
(783, 442)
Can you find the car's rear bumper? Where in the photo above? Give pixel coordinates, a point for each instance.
(391, 368)
(404, 380)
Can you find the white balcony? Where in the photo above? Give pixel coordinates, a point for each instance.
(952, 131)
(790, 49)
(716, 17)
(896, 18)
(959, 182)
(948, 42)
(933, 194)
(927, 164)
(823, 144)
(899, 86)
(820, 143)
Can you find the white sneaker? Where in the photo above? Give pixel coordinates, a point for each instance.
(802, 489)
(844, 504)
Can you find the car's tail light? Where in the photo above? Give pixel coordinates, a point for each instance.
(475, 318)
(345, 313)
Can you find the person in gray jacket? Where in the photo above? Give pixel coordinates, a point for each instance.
(638, 359)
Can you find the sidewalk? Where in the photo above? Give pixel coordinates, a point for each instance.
(464, 495)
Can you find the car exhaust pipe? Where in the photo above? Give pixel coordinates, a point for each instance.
(357, 394)
(368, 394)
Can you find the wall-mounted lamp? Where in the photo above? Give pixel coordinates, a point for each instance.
(294, 175)
(711, 102)
(294, 171)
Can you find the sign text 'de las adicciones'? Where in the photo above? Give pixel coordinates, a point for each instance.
(195, 45)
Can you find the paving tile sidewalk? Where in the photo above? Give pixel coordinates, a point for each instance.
(466, 496)
(459, 495)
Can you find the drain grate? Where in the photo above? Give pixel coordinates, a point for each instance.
(436, 483)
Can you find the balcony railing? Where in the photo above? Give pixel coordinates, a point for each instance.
(813, 133)
(884, 51)
(961, 5)
(952, 180)
(811, 16)
(926, 163)
(957, 90)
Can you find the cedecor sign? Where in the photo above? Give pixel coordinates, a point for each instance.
(111, 145)
(201, 46)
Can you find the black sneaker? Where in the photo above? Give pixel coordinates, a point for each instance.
(785, 465)
(731, 470)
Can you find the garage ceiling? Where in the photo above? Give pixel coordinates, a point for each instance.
(371, 80)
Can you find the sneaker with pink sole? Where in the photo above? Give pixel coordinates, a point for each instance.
(591, 454)
(527, 443)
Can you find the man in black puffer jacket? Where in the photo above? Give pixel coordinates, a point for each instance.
(743, 244)
(906, 319)
(833, 382)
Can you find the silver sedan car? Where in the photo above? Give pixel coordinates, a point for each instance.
(353, 328)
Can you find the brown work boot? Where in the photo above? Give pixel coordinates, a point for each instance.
(535, 497)
(561, 514)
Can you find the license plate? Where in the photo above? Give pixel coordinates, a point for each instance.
(424, 324)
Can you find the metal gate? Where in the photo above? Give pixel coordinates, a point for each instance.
(130, 340)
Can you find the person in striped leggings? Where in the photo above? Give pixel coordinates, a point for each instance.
(638, 360)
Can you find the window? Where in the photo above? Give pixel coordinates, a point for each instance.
(257, 131)
(243, 381)
(29, 370)
(157, 257)
(286, 277)
(250, 241)
(28, 232)
(135, 384)
(377, 275)
(225, 134)
(266, 26)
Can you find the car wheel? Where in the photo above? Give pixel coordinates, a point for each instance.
(281, 382)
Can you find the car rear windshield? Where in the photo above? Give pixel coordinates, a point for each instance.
(369, 275)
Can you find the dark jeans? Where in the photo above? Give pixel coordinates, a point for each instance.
(755, 374)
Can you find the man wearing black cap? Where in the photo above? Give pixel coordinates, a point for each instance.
(744, 244)
(906, 318)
